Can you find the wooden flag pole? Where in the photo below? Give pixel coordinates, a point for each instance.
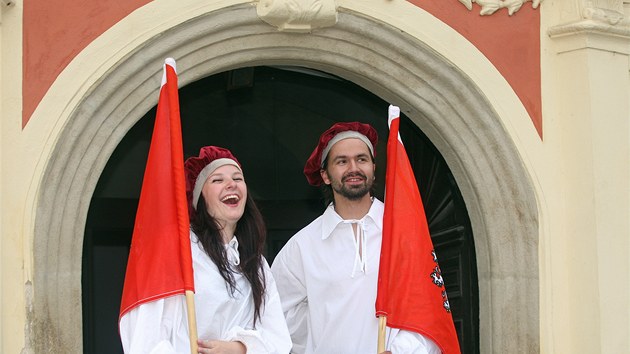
(382, 324)
(192, 321)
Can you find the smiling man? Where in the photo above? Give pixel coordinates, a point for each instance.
(327, 273)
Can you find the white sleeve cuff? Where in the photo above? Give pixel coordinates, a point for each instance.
(407, 342)
(250, 338)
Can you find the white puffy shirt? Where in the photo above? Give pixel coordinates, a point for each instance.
(161, 326)
(328, 294)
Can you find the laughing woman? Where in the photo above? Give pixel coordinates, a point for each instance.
(237, 305)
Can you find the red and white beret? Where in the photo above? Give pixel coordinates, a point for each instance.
(199, 168)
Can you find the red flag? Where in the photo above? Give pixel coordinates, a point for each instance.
(411, 291)
(160, 263)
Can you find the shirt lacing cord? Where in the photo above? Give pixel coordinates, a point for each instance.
(360, 255)
(232, 252)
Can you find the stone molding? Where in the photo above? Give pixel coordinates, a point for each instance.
(5, 5)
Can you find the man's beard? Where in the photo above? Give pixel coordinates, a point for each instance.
(353, 192)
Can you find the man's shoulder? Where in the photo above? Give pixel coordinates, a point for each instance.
(300, 241)
(377, 203)
(313, 229)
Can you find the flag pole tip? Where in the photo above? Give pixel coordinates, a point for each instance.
(394, 112)
(170, 61)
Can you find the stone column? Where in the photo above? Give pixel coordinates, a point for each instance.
(589, 112)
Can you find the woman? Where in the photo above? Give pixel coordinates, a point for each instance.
(236, 302)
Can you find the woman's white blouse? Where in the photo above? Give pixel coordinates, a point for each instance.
(161, 326)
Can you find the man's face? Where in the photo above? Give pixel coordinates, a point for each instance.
(350, 170)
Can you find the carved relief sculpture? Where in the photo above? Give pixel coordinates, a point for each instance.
(488, 7)
(596, 16)
(298, 15)
(604, 11)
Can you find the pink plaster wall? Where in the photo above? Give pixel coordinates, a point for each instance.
(511, 43)
(55, 32)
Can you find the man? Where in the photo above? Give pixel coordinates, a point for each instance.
(327, 273)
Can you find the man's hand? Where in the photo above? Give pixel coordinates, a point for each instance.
(220, 347)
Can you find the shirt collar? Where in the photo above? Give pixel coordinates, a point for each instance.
(330, 218)
(231, 249)
(233, 243)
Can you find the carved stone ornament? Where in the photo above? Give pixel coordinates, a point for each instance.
(298, 15)
(603, 15)
(488, 7)
(597, 16)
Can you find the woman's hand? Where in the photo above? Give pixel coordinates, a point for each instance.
(220, 347)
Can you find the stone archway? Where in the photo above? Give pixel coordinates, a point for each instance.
(440, 99)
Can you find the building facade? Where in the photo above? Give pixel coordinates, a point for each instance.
(527, 102)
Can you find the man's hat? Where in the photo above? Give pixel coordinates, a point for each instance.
(330, 137)
(199, 168)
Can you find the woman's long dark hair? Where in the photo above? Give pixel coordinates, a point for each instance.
(252, 234)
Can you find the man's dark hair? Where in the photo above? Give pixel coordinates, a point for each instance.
(251, 233)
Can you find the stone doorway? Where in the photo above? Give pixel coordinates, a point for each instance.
(270, 118)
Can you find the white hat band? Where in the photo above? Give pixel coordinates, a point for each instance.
(205, 173)
(347, 134)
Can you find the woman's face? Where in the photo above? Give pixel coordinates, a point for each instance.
(225, 193)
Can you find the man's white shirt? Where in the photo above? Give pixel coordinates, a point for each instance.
(327, 279)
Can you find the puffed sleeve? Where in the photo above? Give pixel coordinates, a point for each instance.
(156, 327)
(288, 272)
(271, 334)
(407, 342)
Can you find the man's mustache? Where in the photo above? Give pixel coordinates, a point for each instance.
(353, 175)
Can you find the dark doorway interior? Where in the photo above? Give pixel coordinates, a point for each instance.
(270, 117)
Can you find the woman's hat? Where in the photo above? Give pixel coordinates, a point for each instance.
(199, 168)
